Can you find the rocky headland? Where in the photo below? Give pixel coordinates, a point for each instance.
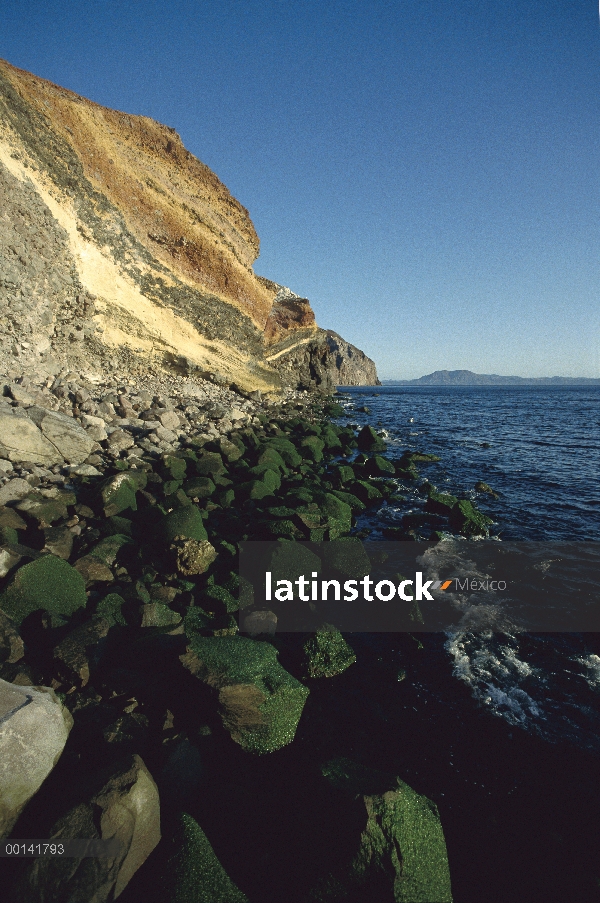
(159, 404)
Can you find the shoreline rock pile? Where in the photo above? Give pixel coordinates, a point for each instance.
(121, 507)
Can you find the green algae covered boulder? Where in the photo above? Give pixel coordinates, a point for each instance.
(118, 492)
(327, 653)
(45, 510)
(269, 477)
(174, 468)
(231, 451)
(379, 467)
(350, 499)
(369, 441)
(401, 851)
(343, 473)
(312, 448)
(367, 492)
(337, 514)
(467, 519)
(330, 437)
(287, 451)
(291, 560)
(186, 522)
(192, 873)
(48, 583)
(259, 702)
(255, 489)
(347, 557)
(440, 502)
(222, 595)
(199, 487)
(480, 486)
(110, 608)
(210, 464)
(271, 457)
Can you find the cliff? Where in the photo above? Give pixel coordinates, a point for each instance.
(120, 250)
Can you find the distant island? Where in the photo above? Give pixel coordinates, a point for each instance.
(468, 378)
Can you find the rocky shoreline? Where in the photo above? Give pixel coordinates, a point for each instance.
(122, 664)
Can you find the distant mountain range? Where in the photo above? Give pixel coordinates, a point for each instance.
(468, 378)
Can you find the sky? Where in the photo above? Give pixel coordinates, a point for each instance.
(425, 172)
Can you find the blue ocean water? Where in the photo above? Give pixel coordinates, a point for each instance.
(539, 449)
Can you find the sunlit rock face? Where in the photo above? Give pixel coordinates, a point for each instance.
(121, 250)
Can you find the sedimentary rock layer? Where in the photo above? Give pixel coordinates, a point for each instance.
(120, 250)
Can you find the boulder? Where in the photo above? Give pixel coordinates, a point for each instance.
(49, 583)
(95, 566)
(45, 510)
(378, 467)
(192, 873)
(15, 490)
(369, 441)
(401, 851)
(9, 558)
(79, 653)
(125, 810)
(366, 492)
(210, 464)
(467, 519)
(259, 702)
(120, 440)
(194, 556)
(118, 493)
(157, 614)
(58, 541)
(258, 622)
(337, 514)
(313, 448)
(34, 729)
(484, 487)
(68, 436)
(199, 487)
(185, 523)
(21, 440)
(95, 427)
(440, 502)
(327, 653)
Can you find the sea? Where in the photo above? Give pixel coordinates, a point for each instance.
(500, 726)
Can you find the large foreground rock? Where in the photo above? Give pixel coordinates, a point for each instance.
(260, 703)
(34, 726)
(48, 583)
(43, 437)
(401, 851)
(125, 809)
(193, 873)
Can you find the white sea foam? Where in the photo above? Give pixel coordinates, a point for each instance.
(494, 675)
(592, 665)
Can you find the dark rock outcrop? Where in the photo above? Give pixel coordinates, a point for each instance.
(322, 362)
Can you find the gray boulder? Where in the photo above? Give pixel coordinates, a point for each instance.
(43, 437)
(68, 436)
(15, 490)
(34, 726)
(21, 440)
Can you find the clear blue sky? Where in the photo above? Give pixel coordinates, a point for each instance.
(426, 172)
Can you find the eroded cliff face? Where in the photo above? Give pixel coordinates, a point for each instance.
(120, 250)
